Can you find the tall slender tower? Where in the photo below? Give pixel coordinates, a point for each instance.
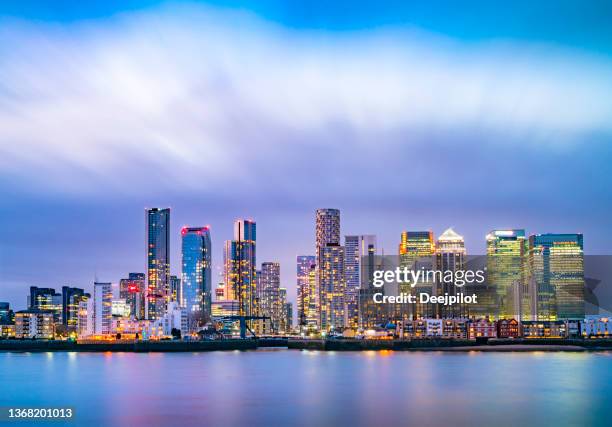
(158, 262)
(196, 278)
(330, 270)
(270, 302)
(358, 249)
(450, 256)
(239, 267)
(307, 298)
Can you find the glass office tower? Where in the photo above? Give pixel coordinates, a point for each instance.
(196, 278)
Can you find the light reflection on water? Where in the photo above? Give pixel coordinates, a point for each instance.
(311, 388)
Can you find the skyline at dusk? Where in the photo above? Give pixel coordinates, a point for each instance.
(225, 110)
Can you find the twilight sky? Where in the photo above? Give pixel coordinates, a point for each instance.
(477, 116)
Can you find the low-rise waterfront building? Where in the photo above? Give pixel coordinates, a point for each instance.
(508, 328)
(483, 328)
(544, 329)
(34, 323)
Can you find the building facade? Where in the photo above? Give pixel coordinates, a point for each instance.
(196, 279)
(102, 309)
(158, 262)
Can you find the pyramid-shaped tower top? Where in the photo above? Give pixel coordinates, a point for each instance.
(450, 235)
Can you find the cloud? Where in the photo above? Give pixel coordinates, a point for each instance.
(195, 98)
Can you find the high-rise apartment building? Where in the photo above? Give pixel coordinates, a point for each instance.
(359, 250)
(331, 281)
(102, 309)
(239, 267)
(270, 300)
(196, 279)
(307, 294)
(158, 262)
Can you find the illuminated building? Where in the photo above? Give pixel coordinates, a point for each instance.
(508, 328)
(85, 325)
(482, 328)
(132, 290)
(71, 297)
(333, 288)
(596, 327)
(307, 293)
(289, 317)
(34, 323)
(120, 307)
(371, 314)
(196, 278)
(506, 265)
(359, 250)
(7, 331)
(102, 308)
(416, 252)
(239, 267)
(46, 299)
(175, 289)
(224, 308)
(5, 313)
(220, 292)
(282, 294)
(556, 270)
(330, 270)
(174, 318)
(450, 256)
(544, 329)
(270, 303)
(157, 293)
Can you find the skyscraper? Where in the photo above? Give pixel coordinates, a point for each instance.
(196, 278)
(450, 256)
(132, 290)
(270, 302)
(358, 250)
(289, 317)
(282, 309)
(71, 297)
(556, 269)
(102, 309)
(416, 251)
(506, 262)
(239, 267)
(330, 270)
(307, 295)
(158, 262)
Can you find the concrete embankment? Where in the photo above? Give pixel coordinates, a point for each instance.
(127, 346)
(451, 345)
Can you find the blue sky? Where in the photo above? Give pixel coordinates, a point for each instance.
(404, 116)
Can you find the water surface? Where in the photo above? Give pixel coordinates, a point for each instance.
(279, 387)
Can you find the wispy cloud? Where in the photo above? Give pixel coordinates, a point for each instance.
(195, 97)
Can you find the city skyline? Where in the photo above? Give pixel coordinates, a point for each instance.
(395, 114)
(324, 231)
